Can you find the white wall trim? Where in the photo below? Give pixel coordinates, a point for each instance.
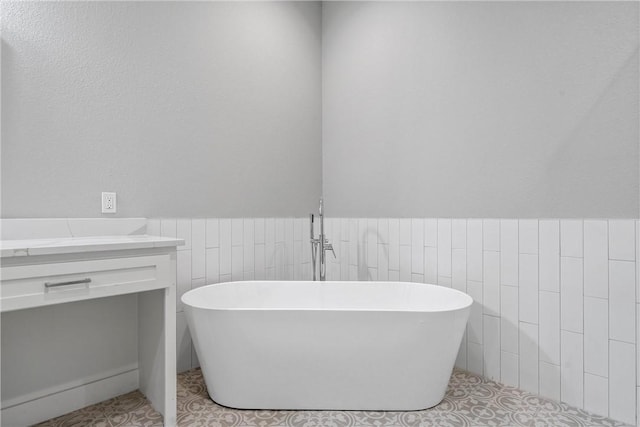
(45, 404)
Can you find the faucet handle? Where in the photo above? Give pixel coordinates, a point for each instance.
(329, 247)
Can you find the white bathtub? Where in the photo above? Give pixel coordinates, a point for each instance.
(326, 345)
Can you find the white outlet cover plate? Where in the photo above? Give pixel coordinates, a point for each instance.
(108, 202)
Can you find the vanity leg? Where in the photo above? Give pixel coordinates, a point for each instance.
(157, 350)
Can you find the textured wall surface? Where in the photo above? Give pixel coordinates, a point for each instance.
(214, 109)
(481, 109)
(182, 108)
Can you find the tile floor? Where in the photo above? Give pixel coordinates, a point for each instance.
(471, 400)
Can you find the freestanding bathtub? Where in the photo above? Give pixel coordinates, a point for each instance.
(326, 345)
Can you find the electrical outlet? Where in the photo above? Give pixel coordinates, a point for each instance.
(108, 202)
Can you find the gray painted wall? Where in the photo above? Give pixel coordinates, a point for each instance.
(183, 108)
(506, 109)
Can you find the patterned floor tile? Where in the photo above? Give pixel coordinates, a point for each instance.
(470, 400)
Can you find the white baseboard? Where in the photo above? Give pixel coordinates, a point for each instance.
(61, 402)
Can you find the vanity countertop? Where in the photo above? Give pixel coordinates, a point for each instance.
(68, 245)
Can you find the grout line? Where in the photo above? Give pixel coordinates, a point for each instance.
(583, 328)
(482, 293)
(559, 259)
(499, 301)
(608, 320)
(518, 321)
(591, 296)
(595, 375)
(465, 279)
(530, 323)
(622, 342)
(635, 288)
(437, 245)
(451, 251)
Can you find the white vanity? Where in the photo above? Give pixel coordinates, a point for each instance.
(88, 313)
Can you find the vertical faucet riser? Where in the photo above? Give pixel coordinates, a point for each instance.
(314, 248)
(319, 246)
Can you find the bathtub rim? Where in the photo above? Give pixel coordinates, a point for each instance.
(465, 306)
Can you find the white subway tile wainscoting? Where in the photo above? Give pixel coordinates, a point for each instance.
(556, 301)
